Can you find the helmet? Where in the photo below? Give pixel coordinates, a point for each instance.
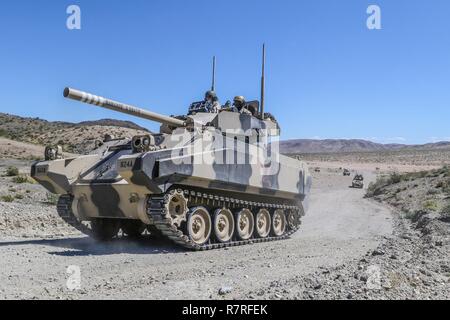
(239, 99)
(210, 95)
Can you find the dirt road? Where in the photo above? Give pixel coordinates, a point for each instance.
(339, 226)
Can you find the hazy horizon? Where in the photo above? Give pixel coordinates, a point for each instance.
(283, 140)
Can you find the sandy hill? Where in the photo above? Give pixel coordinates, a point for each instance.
(73, 137)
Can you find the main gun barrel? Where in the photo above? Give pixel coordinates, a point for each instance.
(120, 107)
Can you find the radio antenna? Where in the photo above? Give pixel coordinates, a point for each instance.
(213, 85)
(263, 80)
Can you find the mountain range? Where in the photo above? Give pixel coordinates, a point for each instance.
(80, 137)
(298, 146)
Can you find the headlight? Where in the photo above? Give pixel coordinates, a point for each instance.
(141, 143)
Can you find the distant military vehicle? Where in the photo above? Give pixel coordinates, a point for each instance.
(358, 181)
(154, 181)
(317, 169)
(346, 172)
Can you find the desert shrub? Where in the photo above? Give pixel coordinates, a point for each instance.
(18, 196)
(70, 148)
(445, 185)
(20, 179)
(445, 171)
(12, 171)
(7, 198)
(422, 174)
(376, 188)
(23, 178)
(409, 215)
(3, 133)
(441, 184)
(395, 178)
(430, 205)
(51, 198)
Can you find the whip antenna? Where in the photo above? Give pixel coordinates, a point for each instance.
(213, 85)
(263, 80)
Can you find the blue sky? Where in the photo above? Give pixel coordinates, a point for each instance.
(328, 76)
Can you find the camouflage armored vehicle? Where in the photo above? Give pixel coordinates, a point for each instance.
(358, 181)
(346, 172)
(206, 180)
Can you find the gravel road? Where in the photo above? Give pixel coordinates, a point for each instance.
(340, 226)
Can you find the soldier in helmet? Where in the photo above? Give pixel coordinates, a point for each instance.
(212, 103)
(240, 105)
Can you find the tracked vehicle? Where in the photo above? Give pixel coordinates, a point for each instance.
(206, 180)
(358, 181)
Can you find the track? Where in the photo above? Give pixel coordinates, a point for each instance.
(157, 212)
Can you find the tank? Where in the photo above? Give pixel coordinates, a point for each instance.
(206, 180)
(358, 181)
(209, 179)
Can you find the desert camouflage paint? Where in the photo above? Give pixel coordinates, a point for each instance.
(226, 152)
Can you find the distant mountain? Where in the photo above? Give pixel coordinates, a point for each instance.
(73, 137)
(80, 137)
(298, 146)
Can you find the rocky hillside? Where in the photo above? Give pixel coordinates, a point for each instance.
(416, 194)
(73, 137)
(421, 197)
(304, 146)
(418, 257)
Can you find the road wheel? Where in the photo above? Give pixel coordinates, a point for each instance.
(104, 229)
(293, 219)
(199, 225)
(278, 223)
(245, 224)
(223, 225)
(263, 223)
(133, 228)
